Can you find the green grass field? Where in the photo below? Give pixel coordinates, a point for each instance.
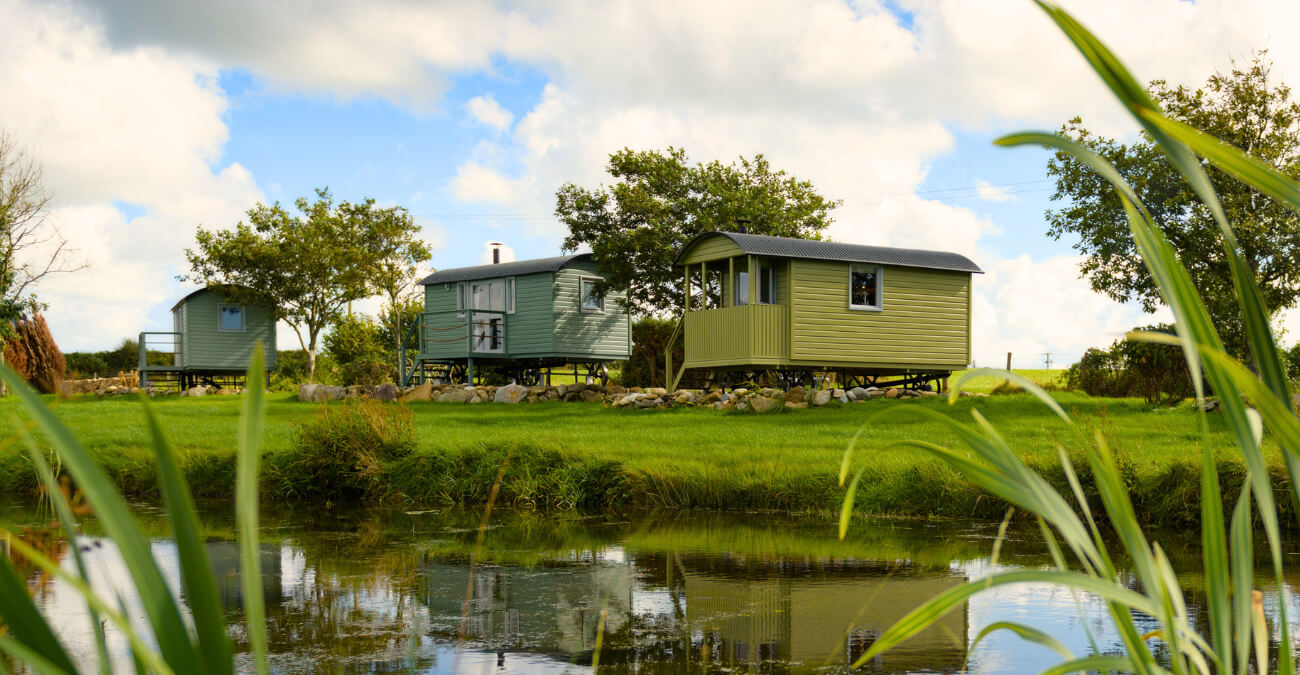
(585, 455)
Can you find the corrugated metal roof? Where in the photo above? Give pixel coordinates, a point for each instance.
(786, 247)
(510, 269)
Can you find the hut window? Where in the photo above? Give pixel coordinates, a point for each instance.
(591, 302)
(230, 317)
(489, 295)
(510, 295)
(741, 282)
(766, 283)
(864, 287)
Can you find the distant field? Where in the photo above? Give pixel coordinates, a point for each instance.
(585, 455)
(1044, 378)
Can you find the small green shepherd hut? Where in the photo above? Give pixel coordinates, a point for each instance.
(870, 314)
(522, 319)
(211, 342)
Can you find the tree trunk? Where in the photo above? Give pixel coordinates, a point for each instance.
(311, 358)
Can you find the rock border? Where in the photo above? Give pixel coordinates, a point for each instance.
(761, 400)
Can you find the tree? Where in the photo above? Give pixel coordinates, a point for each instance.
(395, 276)
(1244, 108)
(31, 248)
(636, 226)
(305, 267)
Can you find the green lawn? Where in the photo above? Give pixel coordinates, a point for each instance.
(1043, 378)
(587, 455)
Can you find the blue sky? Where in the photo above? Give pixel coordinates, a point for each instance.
(155, 118)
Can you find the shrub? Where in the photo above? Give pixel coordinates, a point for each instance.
(342, 451)
(291, 370)
(34, 354)
(367, 371)
(354, 337)
(1156, 372)
(645, 367)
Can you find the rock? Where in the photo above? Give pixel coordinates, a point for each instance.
(192, 391)
(648, 402)
(858, 394)
(1210, 405)
(573, 397)
(739, 391)
(598, 388)
(713, 397)
(841, 396)
(821, 397)
(577, 387)
(422, 392)
(892, 393)
(511, 393)
(481, 395)
(796, 395)
(658, 391)
(616, 390)
(590, 396)
(770, 392)
(795, 404)
(384, 392)
(876, 393)
(684, 398)
(456, 396)
(629, 399)
(561, 389)
(763, 404)
(929, 394)
(306, 392)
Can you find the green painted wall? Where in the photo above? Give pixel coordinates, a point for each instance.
(529, 331)
(925, 320)
(710, 248)
(203, 346)
(579, 334)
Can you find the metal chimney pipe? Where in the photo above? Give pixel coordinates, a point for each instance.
(496, 251)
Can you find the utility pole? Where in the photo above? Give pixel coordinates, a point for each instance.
(1047, 359)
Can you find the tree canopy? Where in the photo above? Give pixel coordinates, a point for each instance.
(306, 267)
(636, 226)
(1243, 107)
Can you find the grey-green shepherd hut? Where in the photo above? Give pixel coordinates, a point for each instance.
(522, 318)
(211, 341)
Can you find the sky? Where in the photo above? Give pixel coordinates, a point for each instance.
(153, 118)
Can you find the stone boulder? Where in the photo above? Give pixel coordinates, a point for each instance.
(796, 404)
(629, 399)
(423, 392)
(858, 394)
(456, 396)
(893, 393)
(385, 392)
(763, 404)
(590, 396)
(796, 395)
(821, 397)
(511, 393)
(192, 391)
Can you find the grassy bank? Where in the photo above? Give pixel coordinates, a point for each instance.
(587, 456)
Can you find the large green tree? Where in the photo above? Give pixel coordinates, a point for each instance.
(307, 265)
(659, 201)
(1244, 107)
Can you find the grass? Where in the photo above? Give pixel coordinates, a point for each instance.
(1048, 379)
(587, 456)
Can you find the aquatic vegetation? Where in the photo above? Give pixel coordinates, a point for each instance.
(25, 634)
(1237, 629)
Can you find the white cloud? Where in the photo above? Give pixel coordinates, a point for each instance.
(992, 193)
(477, 183)
(486, 111)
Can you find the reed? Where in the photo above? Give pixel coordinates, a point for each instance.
(1252, 401)
(176, 647)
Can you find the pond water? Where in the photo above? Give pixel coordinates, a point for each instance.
(378, 590)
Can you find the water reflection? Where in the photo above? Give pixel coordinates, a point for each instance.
(384, 591)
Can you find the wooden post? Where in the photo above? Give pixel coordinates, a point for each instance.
(753, 280)
(687, 273)
(731, 281)
(1008, 381)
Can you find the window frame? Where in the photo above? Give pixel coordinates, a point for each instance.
(243, 318)
(582, 306)
(880, 288)
(510, 295)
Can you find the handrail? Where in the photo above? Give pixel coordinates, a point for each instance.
(405, 377)
(142, 350)
(668, 357)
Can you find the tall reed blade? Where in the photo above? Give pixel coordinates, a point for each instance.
(246, 508)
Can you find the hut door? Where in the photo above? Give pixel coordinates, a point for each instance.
(485, 298)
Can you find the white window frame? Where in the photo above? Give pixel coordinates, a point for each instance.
(880, 288)
(582, 307)
(243, 318)
(510, 295)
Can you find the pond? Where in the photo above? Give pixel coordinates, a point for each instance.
(382, 590)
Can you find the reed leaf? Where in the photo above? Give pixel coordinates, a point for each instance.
(246, 508)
